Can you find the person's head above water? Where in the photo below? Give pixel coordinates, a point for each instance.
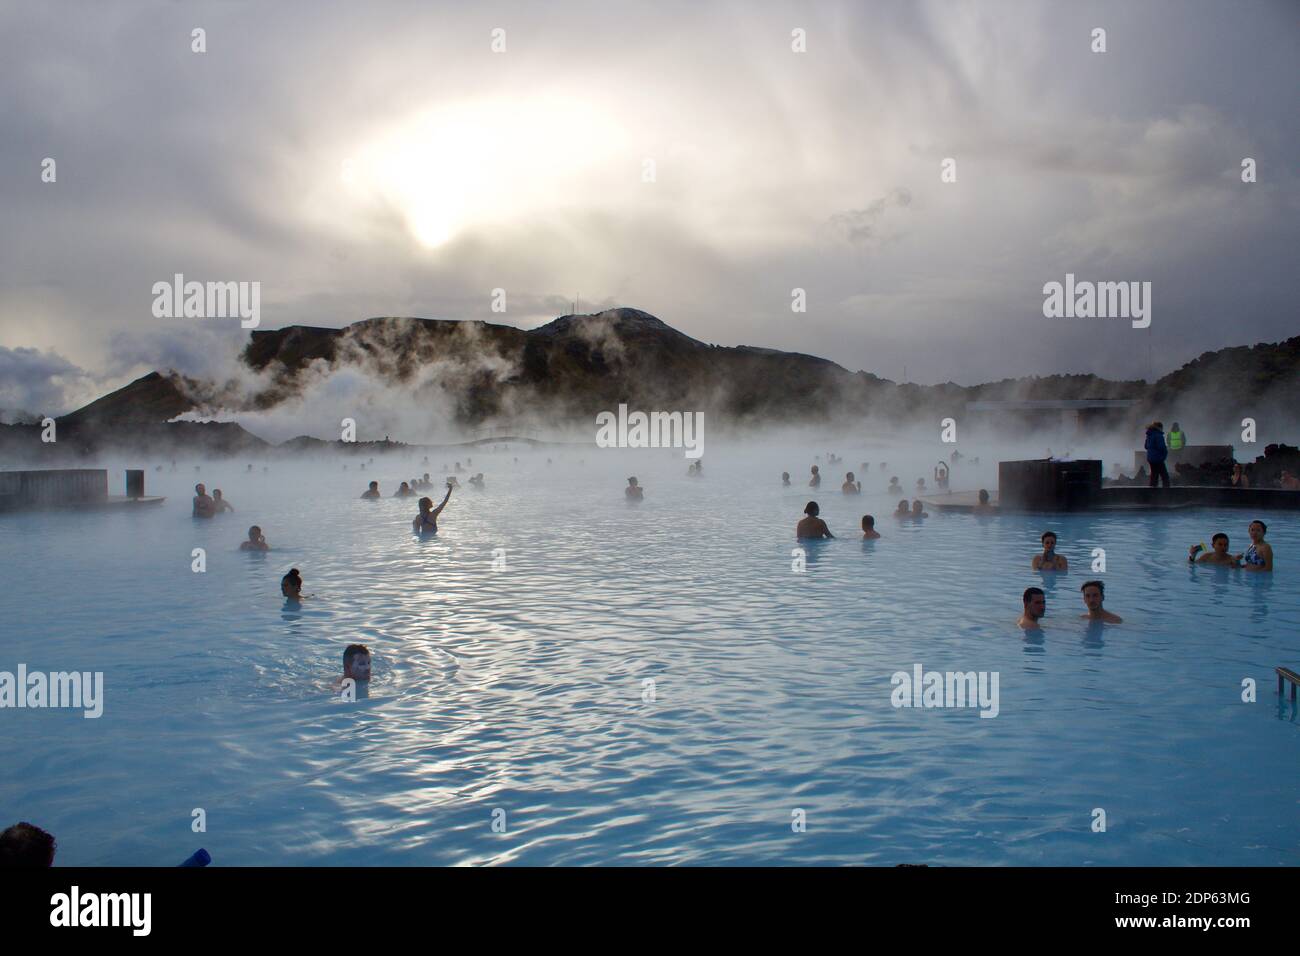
(1049, 540)
(1094, 592)
(631, 481)
(849, 477)
(426, 504)
(1257, 529)
(984, 496)
(812, 509)
(1035, 602)
(868, 522)
(1219, 537)
(815, 468)
(356, 662)
(254, 533)
(916, 507)
(374, 486)
(26, 846)
(785, 475)
(200, 490)
(291, 584)
(903, 507)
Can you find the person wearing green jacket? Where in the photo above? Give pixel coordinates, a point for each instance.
(1177, 438)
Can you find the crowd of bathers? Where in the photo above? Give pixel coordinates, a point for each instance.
(1257, 557)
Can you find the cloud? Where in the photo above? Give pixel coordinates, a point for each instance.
(774, 170)
(35, 383)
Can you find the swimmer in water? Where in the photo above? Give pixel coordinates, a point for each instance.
(203, 505)
(869, 532)
(902, 511)
(1094, 592)
(851, 487)
(785, 479)
(983, 508)
(356, 664)
(425, 482)
(426, 522)
(1035, 603)
(918, 511)
(372, 492)
(1049, 560)
(1259, 556)
(633, 491)
(920, 486)
(894, 487)
(812, 526)
(219, 503)
(477, 481)
(816, 479)
(1218, 553)
(255, 542)
(403, 491)
(291, 585)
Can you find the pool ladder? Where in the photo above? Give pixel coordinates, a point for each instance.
(1286, 674)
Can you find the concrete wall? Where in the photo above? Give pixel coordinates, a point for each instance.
(1043, 485)
(23, 489)
(1188, 455)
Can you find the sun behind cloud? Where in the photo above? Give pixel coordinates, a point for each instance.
(483, 162)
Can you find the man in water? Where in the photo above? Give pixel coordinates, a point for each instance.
(1218, 553)
(1094, 592)
(1049, 560)
(204, 507)
(812, 526)
(785, 479)
(27, 847)
(869, 532)
(426, 522)
(894, 487)
(372, 492)
(1035, 602)
(983, 508)
(918, 511)
(633, 491)
(850, 486)
(219, 503)
(356, 663)
(255, 542)
(403, 491)
(816, 479)
(902, 511)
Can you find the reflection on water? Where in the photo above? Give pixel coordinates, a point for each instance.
(651, 684)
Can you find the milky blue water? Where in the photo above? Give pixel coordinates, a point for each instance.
(525, 691)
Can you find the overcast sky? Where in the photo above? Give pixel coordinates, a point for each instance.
(362, 159)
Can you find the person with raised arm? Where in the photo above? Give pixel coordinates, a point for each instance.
(426, 522)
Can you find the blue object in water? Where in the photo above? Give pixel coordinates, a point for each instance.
(199, 857)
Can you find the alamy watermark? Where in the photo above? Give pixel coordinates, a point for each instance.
(179, 299)
(1098, 300)
(75, 689)
(922, 688)
(652, 430)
